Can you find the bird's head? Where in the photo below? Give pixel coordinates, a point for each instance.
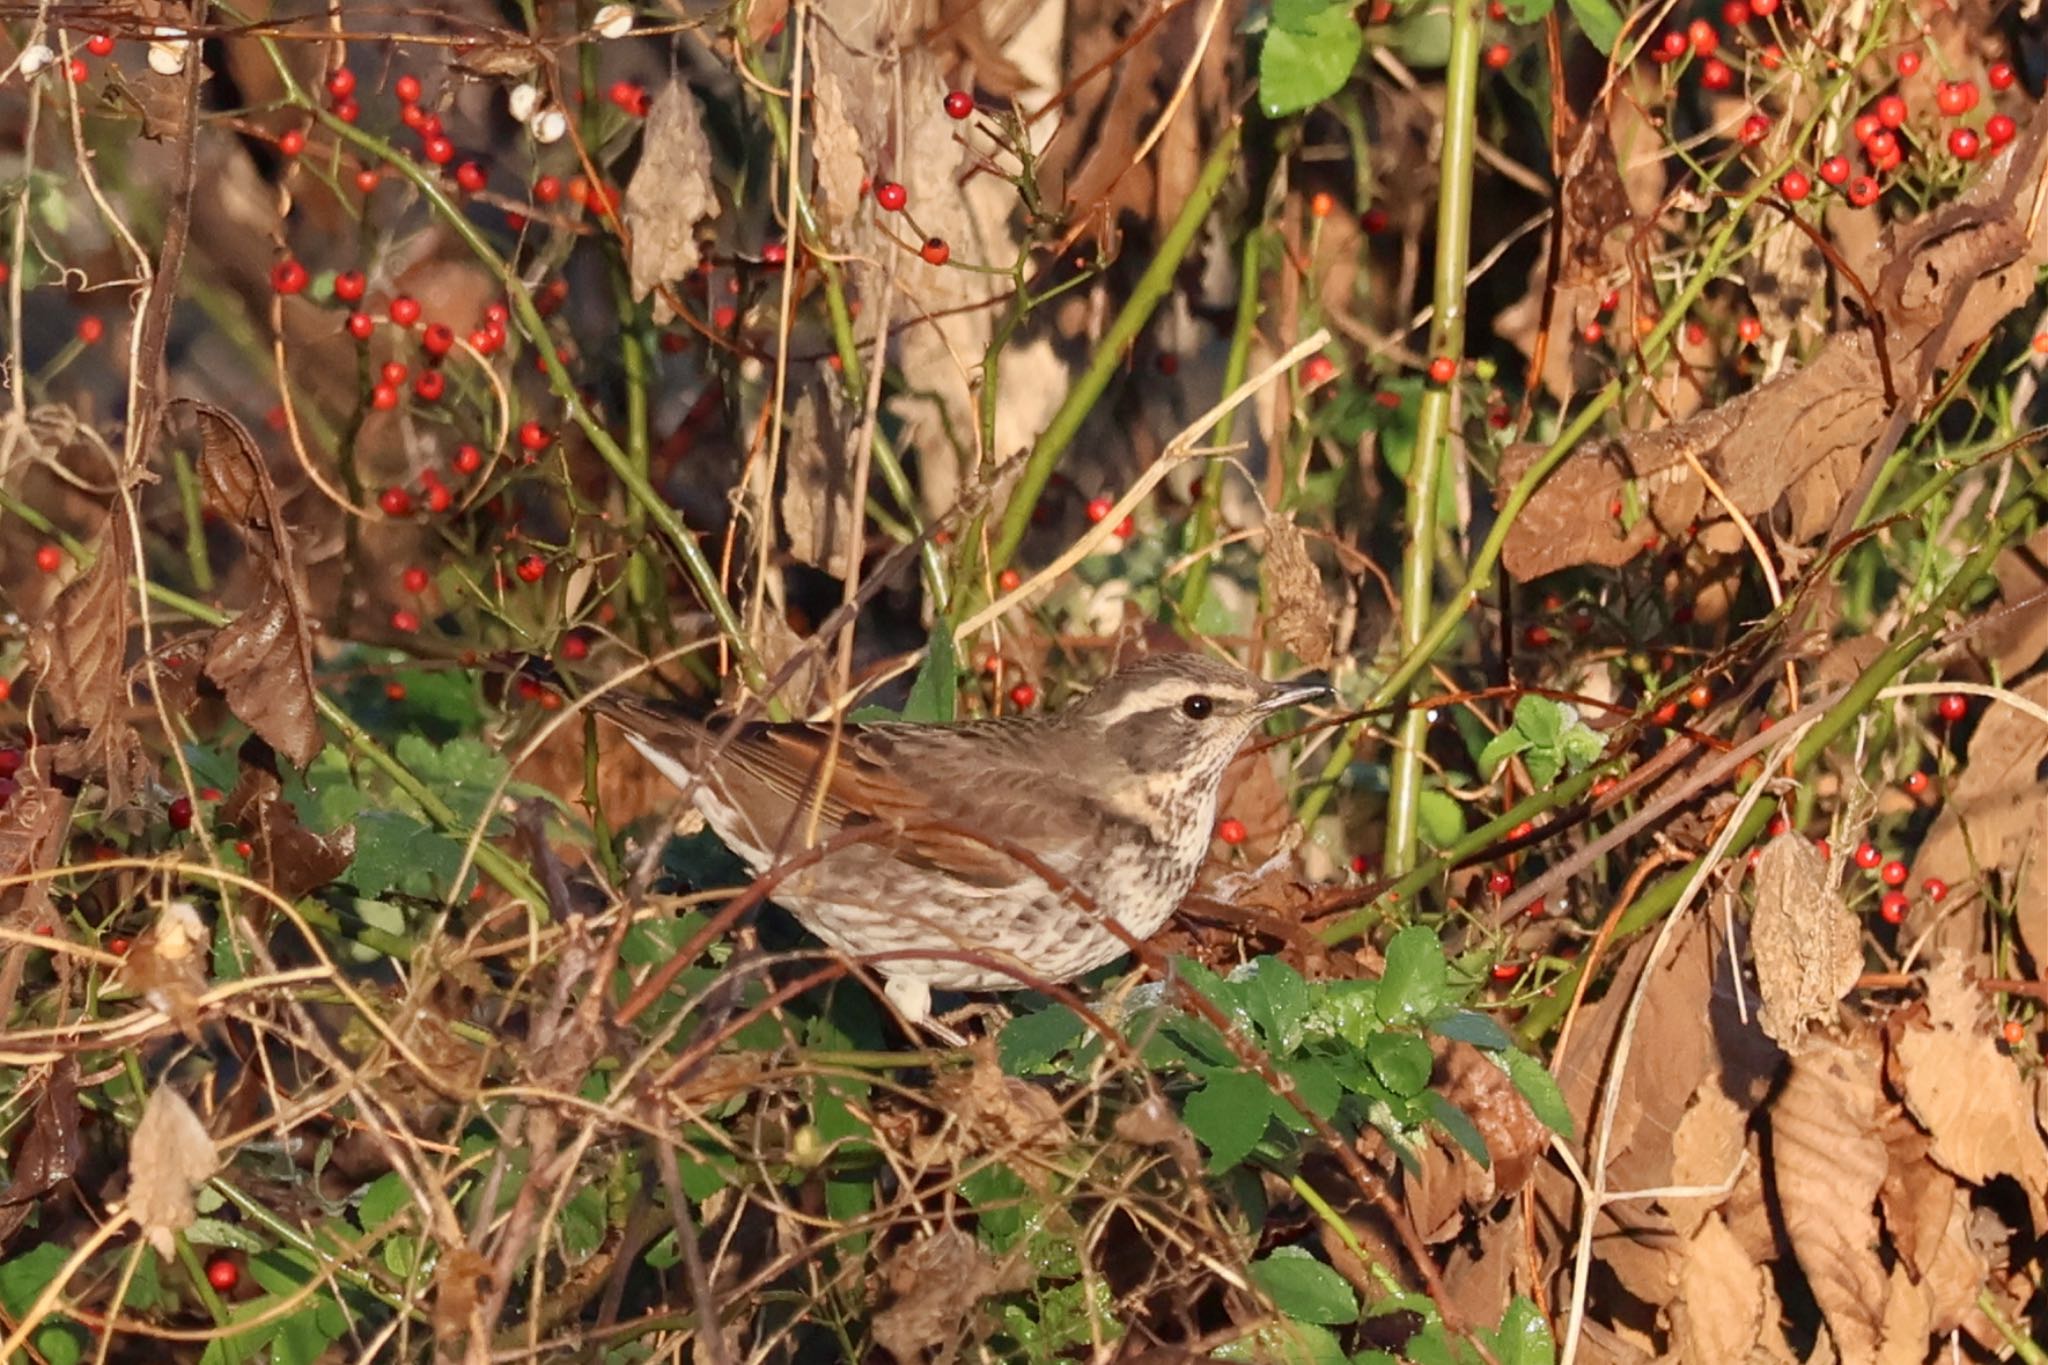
(1184, 713)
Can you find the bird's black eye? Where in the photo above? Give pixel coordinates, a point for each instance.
(1197, 707)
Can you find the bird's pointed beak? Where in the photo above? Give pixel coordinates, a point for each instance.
(1279, 696)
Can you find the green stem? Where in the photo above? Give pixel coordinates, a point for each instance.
(1433, 426)
(1151, 289)
(1209, 508)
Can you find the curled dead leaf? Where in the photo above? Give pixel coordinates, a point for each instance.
(670, 194)
(282, 851)
(169, 1157)
(263, 661)
(1294, 589)
(1807, 945)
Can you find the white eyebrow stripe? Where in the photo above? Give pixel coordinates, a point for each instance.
(1149, 698)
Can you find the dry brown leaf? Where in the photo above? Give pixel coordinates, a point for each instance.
(1971, 1099)
(170, 1156)
(670, 194)
(937, 1286)
(1719, 1312)
(283, 852)
(1294, 590)
(817, 479)
(263, 661)
(1830, 1163)
(1806, 943)
(32, 824)
(1907, 1325)
(1705, 1151)
(2015, 634)
(48, 1153)
(78, 650)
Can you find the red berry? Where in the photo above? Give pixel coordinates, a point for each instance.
(222, 1272)
(1892, 873)
(1023, 696)
(383, 397)
(1735, 13)
(1537, 637)
(533, 436)
(291, 142)
(1955, 97)
(341, 83)
(547, 189)
(1318, 370)
(1963, 144)
(1835, 170)
(1230, 830)
(469, 178)
(349, 285)
(1755, 129)
(1715, 75)
(1703, 36)
(1865, 128)
(1374, 221)
(1750, 330)
(407, 89)
(414, 579)
(1666, 714)
(1953, 706)
(404, 310)
(531, 569)
(439, 499)
(1863, 191)
(1505, 971)
(1442, 370)
(49, 558)
(959, 104)
(102, 45)
(468, 459)
(91, 329)
(430, 385)
(1499, 882)
(891, 196)
(1795, 186)
(1497, 56)
(2000, 129)
(1916, 783)
(1891, 112)
(1009, 580)
(1098, 508)
(348, 111)
(2000, 76)
(405, 621)
(1908, 61)
(1936, 889)
(438, 150)
(396, 502)
(1670, 46)
(774, 253)
(288, 276)
(1125, 528)
(935, 251)
(1885, 152)
(1700, 697)
(367, 178)
(180, 813)
(361, 325)
(1867, 855)
(629, 96)
(2013, 1031)
(392, 372)
(1893, 907)
(437, 339)
(575, 648)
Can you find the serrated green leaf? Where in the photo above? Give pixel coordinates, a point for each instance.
(1599, 21)
(1402, 1061)
(1029, 1042)
(1416, 983)
(1524, 1336)
(1581, 747)
(1316, 1083)
(1500, 749)
(1276, 997)
(1305, 61)
(1539, 1087)
(1284, 1343)
(1304, 1288)
(1542, 765)
(1229, 1116)
(395, 852)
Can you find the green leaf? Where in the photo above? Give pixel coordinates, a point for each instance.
(1284, 1343)
(1276, 996)
(383, 1201)
(1029, 1042)
(1304, 1288)
(1317, 1083)
(1600, 22)
(1416, 983)
(1527, 11)
(395, 852)
(1539, 719)
(1229, 1116)
(1459, 1125)
(1501, 748)
(1470, 1026)
(1539, 1087)
(1307, 56)
(1401, 1060)
(1524, 1336)
(1440, 818)
(935, 695)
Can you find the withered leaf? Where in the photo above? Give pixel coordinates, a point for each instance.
(79, 648)
(263, 661)
(937, 1286)
(237, 482)
(1294, 588)
(169, 1157)
(166, 964)
(47, 1155)
(1808, 951)
(670, 194)
(1722, 1297)
(283, 852)
(1829, 1159)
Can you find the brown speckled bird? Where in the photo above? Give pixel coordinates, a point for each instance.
(1116, 795)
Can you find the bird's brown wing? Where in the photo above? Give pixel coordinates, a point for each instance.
(950, 794)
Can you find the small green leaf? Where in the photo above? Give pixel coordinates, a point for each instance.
(1029, 1042)
(1304, 1288)
(1524, 1336)
(1440, 818)
(1539, 1087)
(1229, 1116)
(1401, 1060)
(1527, 11)
(1600, 22)
(1538, 718)
(1276, 996)
(1317, 1083)
(935, 695)
(1307, 56)
(1470, 1026)
(1416, 983)
(1501, 748)
(1459, 1125)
